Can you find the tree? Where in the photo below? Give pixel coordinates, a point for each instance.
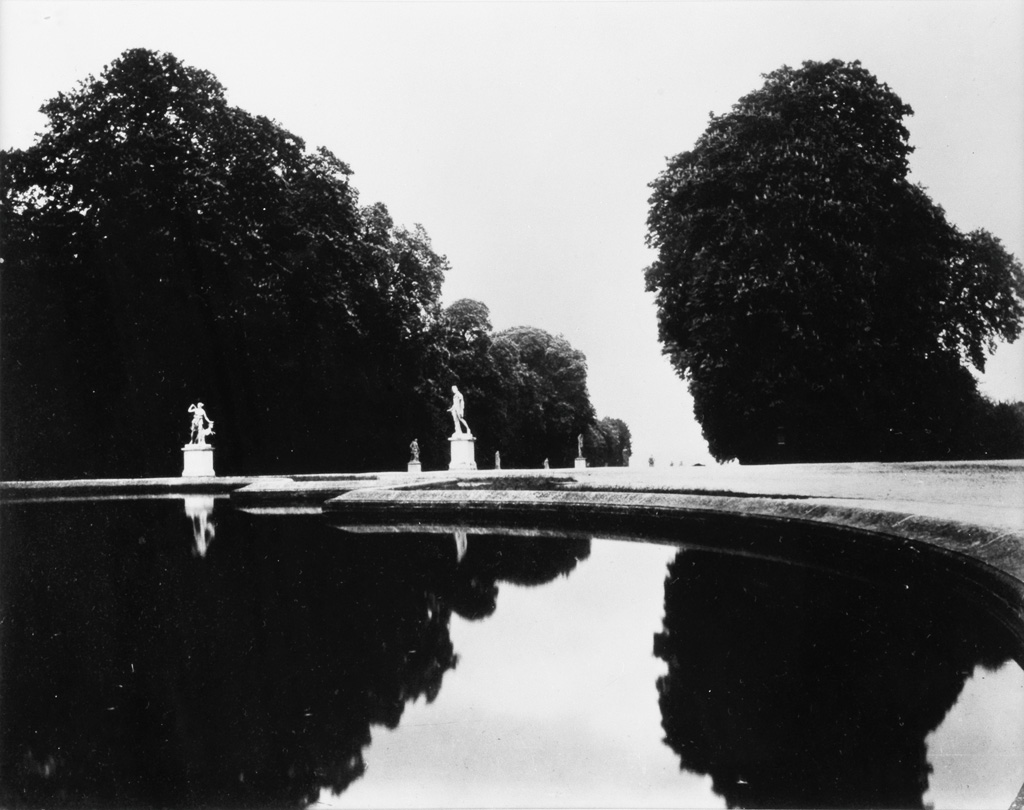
(819, 304)
(606, 442)
(468, 358)
(161, 247)
(548, 401)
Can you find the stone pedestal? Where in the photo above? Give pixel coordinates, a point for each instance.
(198, 461)
(414, 467)
(581, 463)
(463, 451)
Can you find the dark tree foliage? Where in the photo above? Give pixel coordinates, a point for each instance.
(546, 395)
(818, 303)
(525, 390)
(468, 358)
(607, 442)
(161, 246)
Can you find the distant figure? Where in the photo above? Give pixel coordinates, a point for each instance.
(546, 465)
(579, 446)
(199, 430)
(650, 461)
(414, 448)
(497, 460)
(458, 410)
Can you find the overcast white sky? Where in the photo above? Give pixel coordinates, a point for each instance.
(523, 135)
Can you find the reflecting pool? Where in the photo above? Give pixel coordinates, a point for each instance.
(181, 653)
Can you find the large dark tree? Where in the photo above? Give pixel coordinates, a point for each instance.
(819, 304)
(161, 246)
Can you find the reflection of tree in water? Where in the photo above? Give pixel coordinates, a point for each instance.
(517, 560)
(135, 672)
(793, 689)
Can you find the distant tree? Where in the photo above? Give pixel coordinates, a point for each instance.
(463, 342)
(548, 401)
(997, 429)
(818, 303)
(161, 247)
(606, 441)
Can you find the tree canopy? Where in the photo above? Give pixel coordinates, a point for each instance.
(527, 388)
(819, 304)
(162, 246)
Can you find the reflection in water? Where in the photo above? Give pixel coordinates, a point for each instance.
(114, 695)
(977, 753)
(143, 665)
(792, 689)
(198, 509)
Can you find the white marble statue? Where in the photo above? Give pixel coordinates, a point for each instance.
(579, 446)
(458, 410)
(202, 425)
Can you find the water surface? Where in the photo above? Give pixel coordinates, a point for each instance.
(164, 653)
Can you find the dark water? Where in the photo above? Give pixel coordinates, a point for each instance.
(158, 654)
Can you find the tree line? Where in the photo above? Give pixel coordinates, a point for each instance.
(162, 247)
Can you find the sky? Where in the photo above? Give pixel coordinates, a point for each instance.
(523, 135)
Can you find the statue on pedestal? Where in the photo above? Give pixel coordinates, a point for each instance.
(579, 446)
(202, 425)
(414, 449)
(198, 454)
(462, 442)
(497, 460)
(458, 410)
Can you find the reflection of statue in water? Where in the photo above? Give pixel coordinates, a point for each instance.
(198, 509)
(461, 544)
(791, 689)
(458, 410)
(414, 449)
(202, 425)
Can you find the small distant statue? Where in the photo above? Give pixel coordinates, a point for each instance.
(650, 461)
(546, 465)
(458, 410)
(202, 425)
(414, 449)
(497, 460)
(579, 446)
